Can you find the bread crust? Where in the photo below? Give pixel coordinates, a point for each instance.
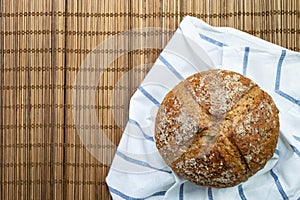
(217, 128)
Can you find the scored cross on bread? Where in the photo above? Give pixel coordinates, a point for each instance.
(217, 128)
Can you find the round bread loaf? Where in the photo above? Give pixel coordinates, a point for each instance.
(217, 128)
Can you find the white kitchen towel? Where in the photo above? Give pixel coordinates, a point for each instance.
(138, 171)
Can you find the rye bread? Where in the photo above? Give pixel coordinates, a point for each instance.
(217, 128)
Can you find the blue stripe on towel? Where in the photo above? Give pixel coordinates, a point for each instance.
(181, 191)
(139, 162)
(297, 138)
(209, 194)
(277, 82)
(288, 97)
(245, 61)
(279, 66)
(295, 150)
(148, 95)
(211, 40)
(278, 184)
(147, 137)
(276, 152)
(171, 68)
(241, 192)
(124, 196)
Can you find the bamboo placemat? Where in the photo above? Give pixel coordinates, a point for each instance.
(42, 47)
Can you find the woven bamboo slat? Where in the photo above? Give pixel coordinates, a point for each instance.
(43, 45)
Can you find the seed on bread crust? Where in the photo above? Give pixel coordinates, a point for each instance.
(217, 128)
